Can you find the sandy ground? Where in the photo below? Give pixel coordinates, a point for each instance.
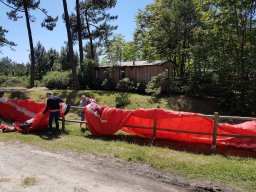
(67, 171)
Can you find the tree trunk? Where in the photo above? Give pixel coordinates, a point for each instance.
(80, 40)
(70, 48)
(32, 54)
(90, 37)
(183, 59)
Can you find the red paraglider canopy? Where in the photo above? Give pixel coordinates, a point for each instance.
(26, 110)
(174, 125)
(181, 126)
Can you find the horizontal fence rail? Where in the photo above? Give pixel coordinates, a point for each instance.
(154, 128)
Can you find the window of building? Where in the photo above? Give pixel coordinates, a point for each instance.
(97, 74)
(122, 73)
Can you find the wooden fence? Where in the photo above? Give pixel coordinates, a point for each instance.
(154, 129)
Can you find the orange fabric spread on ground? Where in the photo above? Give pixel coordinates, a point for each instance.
(118, 119)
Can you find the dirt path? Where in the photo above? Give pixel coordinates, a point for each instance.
(28, 168)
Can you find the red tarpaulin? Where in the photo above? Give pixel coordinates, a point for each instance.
(107, 121)
(118, 119)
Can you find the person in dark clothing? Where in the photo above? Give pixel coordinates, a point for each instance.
(54, 107)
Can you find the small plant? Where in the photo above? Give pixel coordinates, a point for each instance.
(29, 181)
(122, 100)
(126, 84)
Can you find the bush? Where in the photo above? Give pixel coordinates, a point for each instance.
(126, 84)
(122, 100)
(9, 81)
(179, 85)
(141, 88)
(107, 85)
(57, 79)
(156, 85)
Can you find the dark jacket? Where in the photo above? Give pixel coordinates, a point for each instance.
(53, 104)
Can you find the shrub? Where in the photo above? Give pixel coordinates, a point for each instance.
(9, 81)
(141, 88)
(126, 84)
(122, 100)
(179, 85)
(107, 85)
(57, 79)
(156, 85)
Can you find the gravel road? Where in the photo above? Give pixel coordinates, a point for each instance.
(29, 168)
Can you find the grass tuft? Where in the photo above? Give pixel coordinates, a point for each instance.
(29, 181)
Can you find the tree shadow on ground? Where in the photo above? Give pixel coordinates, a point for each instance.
(15, 94)
(105, 93)
(49, 137)
(192, 104)
(196, 148)
(73, 97)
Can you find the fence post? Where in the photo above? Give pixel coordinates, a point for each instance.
(63, 123)
(214, 134)
(154, 132)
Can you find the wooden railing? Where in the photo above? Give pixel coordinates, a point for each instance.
(214, 133)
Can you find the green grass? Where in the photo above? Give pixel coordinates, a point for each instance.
(29, 181)
(237, 172)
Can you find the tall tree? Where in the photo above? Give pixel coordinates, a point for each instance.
(41, 60)
(53, 59)
(79, 34)
(165, 30)
(95, 17)
(24, 6)
(75, 82)
(114, 49)
(225, 42)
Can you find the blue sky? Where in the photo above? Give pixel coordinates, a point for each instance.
(125, 9)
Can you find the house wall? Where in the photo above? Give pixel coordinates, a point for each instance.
(141, 74)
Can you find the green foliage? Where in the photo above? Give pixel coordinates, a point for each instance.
(107, 85)
(57, 79)
(9, 81)
(11, 68)
(121, 100)
(86, 78)
(201, 37)
(3, 40)
(96, 27)
(165, 31)
(117, 49)
(114, 49)
(41, 61)
(45, 60)
(179, 85)
(156, 85)
(126, 85)
(141, 88)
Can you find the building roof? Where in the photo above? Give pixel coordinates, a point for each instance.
(134, 63)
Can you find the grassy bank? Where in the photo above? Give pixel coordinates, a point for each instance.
(233, 171)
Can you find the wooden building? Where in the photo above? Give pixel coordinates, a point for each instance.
(138, 71)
